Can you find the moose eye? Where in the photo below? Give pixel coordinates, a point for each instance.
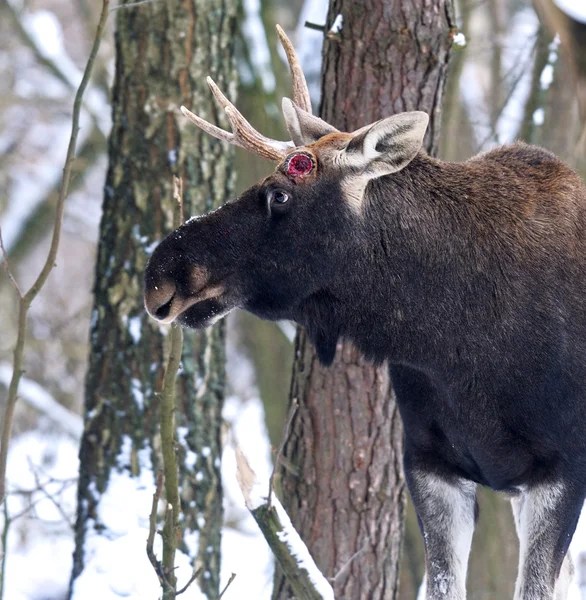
(278, 196)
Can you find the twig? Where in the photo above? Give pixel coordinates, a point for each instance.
(7, 522)
(41, 488)
(130, 5)
(232, 578)
(290, 416)
(28, 298)
(8, 271)
(314, 26)
(193, 577)
(351, 560)
(41, 58)
(356, 554)
(503, 106)
(153, 530)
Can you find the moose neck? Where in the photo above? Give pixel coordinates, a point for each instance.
(419, 272)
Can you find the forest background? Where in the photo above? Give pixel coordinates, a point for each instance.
(507, 80)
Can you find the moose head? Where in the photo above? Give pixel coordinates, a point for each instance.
(282, 248)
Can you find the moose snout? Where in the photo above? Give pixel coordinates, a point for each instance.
(171, 285)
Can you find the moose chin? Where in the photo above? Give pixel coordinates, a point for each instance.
(468, 279)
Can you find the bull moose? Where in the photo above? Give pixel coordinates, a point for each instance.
(468, 279)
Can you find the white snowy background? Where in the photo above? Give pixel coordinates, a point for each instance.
(43, 463)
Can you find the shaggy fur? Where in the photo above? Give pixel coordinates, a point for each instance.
(469, 280)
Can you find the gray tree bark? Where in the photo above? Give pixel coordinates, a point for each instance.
(164, 50)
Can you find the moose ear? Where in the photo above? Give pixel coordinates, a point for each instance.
(388, 145)
(304, 128)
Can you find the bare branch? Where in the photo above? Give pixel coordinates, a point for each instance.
(232, 578)
(41, 488)
(291, 553)
(290, 416)
(7, 269)
(193, 577)
(153, 530)
(31, 294)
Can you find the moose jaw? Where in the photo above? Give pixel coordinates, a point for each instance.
(468, 279)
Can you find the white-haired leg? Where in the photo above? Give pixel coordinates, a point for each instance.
(545, 517)
(446, 512)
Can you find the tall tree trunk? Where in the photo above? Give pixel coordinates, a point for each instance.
(164, 50)
(344, 486)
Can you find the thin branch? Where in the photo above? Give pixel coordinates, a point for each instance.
(232, 578)
(290, 416)
(27, 299)
(520, 74)
(34, 502)
(7, 268)
(153, 530)
(7, 523)
(40, 57)
(41, 488)
(193, 577)
(351, 560)
(290, 552)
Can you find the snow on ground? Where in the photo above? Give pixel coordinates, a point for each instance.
(40, 547)
(40, 543)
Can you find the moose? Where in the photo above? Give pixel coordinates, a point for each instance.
(468, 279)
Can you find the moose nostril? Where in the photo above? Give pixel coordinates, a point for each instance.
(163, 311)
(159, 297)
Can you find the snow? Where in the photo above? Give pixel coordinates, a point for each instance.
(538, 116)
(546, 77)
(36, 396)
(576, 9)
(459, 40)
(291, 538)
(337, 25)
(116, 564)
(40, 543)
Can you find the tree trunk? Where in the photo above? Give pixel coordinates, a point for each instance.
(164, 50)
(344, 486)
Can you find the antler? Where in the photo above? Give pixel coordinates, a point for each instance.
(243, 133)
(299, 84)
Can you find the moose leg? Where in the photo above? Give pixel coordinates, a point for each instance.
(545, 517)
(446, 512)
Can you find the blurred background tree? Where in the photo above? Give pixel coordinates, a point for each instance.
(511, 80)
(163, 53)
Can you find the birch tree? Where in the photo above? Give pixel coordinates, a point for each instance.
(164, 50)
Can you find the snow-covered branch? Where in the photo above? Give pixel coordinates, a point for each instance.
(292, 554)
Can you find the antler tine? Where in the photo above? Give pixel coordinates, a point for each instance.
(244, 134)
(300, 90)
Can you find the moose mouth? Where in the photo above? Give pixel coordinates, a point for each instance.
(204, 313)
